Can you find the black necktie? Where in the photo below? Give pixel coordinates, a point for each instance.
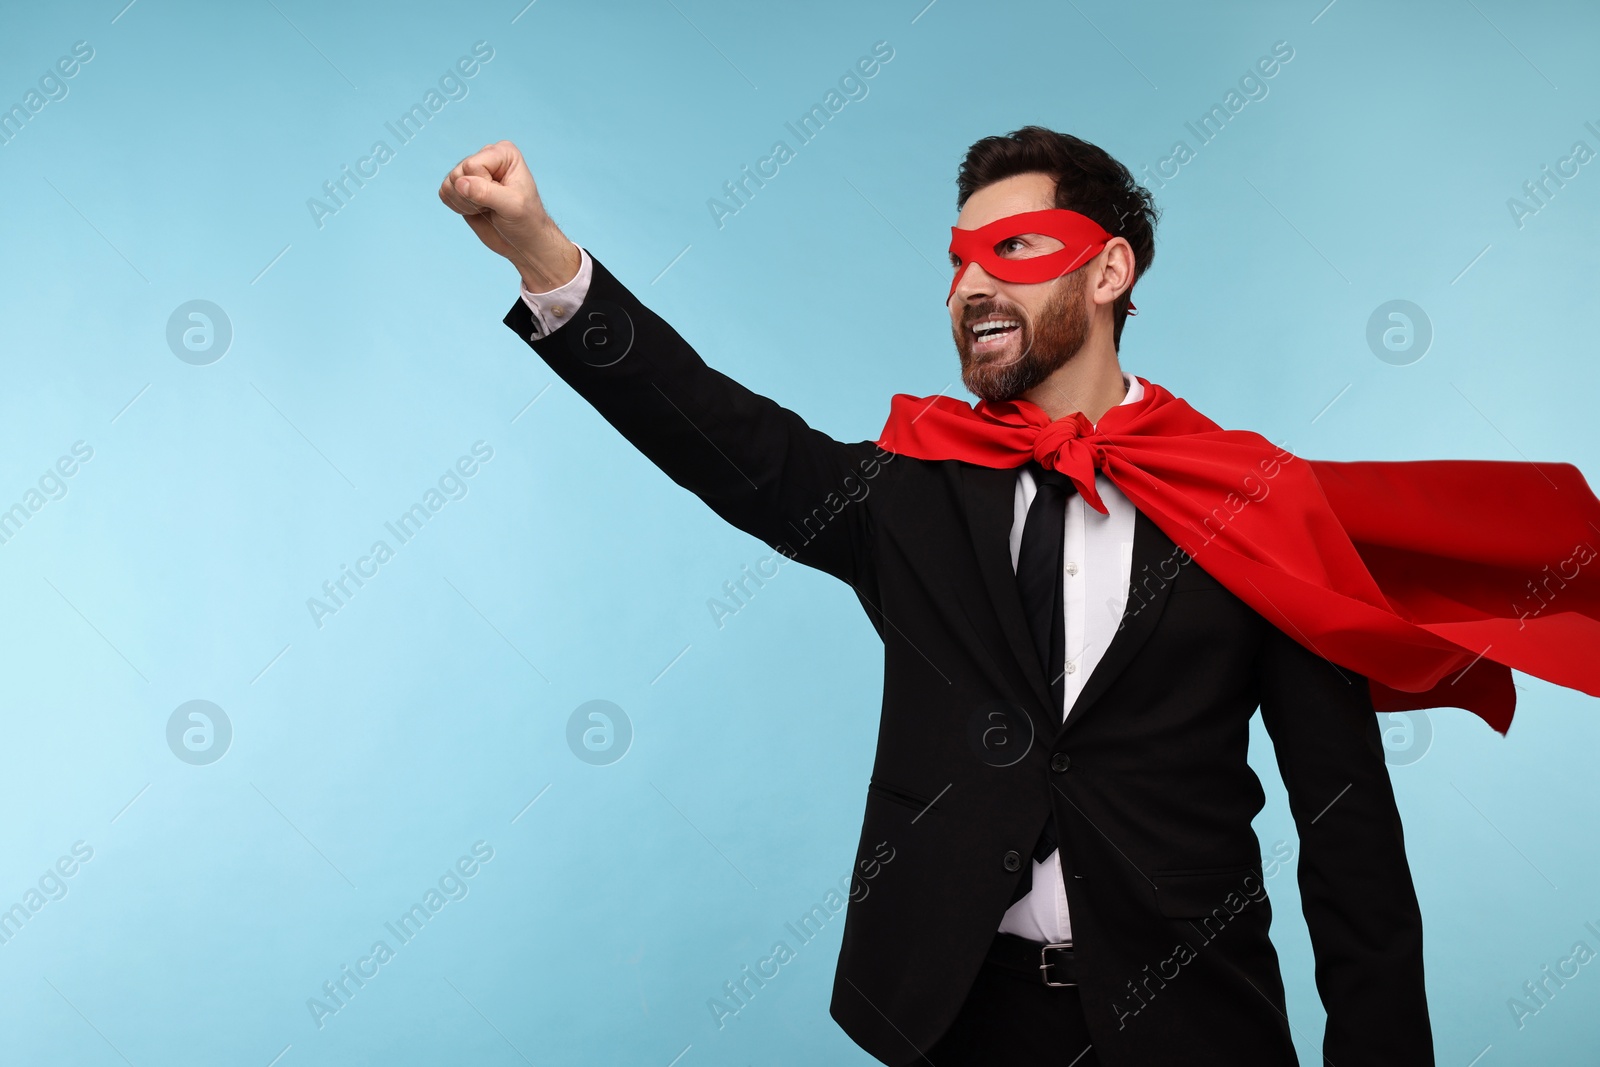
(1039, 581)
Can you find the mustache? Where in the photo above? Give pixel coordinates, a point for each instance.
(973, 314)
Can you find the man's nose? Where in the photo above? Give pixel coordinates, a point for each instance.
(975, 283)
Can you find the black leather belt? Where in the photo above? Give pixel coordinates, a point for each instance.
(1053, 964)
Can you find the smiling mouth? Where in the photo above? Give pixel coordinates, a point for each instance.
(992, 334)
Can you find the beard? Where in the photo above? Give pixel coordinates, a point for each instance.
(1032, 352)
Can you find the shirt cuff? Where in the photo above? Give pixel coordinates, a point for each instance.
(555, 307)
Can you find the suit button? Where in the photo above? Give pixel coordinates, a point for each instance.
(1012, 861)
(1060, 762)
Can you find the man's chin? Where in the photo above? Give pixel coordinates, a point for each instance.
(994, 378)
(986, 388)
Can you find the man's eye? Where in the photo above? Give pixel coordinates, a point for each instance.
(955, 261)
(1001, 247)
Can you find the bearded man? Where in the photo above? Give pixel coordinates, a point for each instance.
(1085, 590)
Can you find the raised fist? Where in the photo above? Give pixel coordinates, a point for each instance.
(494, 191)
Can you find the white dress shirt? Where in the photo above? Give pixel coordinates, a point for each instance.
(1097, 564)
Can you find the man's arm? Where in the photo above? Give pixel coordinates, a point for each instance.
(755, 463)
(1355, 884)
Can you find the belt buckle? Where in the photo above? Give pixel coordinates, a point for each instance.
(1045, 964)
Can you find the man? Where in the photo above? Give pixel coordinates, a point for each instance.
(1062, 761)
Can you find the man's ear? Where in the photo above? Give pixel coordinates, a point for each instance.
(1115, 274)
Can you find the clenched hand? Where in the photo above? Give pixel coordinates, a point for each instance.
(493, 190)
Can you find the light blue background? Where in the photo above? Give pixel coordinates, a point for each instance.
(368, 754)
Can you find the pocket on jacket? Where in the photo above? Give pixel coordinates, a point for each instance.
(901, 796)
(1192, 893)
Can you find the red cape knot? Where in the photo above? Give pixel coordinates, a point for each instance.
(1068, 445)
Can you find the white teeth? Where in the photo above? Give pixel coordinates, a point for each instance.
(983, 328)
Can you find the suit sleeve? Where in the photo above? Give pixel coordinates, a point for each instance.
(756, 464)
(1355, 883)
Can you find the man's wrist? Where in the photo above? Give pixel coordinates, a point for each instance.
(552, 270)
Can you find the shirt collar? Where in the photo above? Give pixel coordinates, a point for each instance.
(1135, 390)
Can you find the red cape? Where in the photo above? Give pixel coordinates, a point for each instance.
(1432, 578)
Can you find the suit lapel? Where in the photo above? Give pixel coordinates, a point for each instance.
(988, 495)
(1147, 595)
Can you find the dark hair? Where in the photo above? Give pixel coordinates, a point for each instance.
(1088, 181)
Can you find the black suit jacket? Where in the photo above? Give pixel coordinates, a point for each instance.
(1147, 776)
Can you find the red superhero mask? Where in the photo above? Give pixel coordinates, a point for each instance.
(1081, 239)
